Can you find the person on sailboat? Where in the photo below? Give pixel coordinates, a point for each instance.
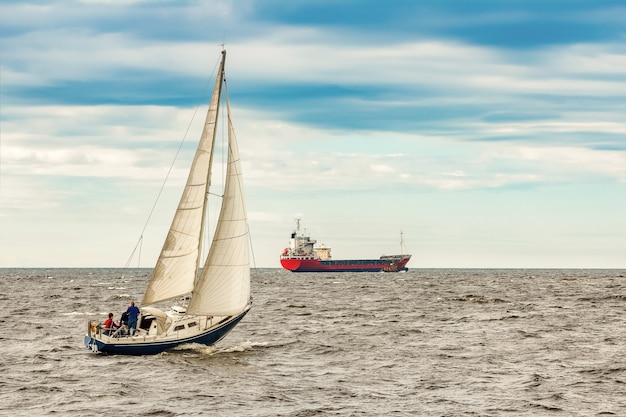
(110, 325)
(122, 330)
(133, 317)
(124, 319)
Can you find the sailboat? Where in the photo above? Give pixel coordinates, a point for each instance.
(218, 291)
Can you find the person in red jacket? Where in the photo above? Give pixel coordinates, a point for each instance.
(110, 326)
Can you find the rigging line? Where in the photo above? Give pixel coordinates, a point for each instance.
(251, 245)
(241, 186)
(171, 168)
(139, 257)
(225, 133)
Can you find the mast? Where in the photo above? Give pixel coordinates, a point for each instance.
(217, 90)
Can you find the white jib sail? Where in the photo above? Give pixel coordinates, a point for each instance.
(176, 268)
(223, 288)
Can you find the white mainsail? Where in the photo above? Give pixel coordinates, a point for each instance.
(223, 288)
(176, 269)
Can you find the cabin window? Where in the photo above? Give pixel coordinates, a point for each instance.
(192, 324)
(181, 327)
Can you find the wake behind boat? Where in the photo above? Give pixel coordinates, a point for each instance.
(219, 292)
(303, 256)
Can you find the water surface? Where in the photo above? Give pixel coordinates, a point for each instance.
(423, 343)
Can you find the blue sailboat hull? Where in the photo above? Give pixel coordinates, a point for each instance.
(153, 347)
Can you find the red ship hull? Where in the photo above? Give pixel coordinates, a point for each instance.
(365, 265)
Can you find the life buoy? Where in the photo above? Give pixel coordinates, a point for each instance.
(286, 251)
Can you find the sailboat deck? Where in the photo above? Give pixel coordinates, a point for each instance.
(180, 328)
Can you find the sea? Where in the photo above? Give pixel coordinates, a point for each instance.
(427, 342)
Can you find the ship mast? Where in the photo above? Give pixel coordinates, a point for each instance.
(297, 226)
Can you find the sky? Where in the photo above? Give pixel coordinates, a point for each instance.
(480, 134)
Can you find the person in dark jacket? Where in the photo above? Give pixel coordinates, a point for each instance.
(133, 317)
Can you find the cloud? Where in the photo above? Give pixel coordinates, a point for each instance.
(569, 163)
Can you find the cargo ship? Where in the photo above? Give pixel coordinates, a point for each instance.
(303, 256)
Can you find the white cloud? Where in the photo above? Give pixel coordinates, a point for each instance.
(381, 168)
(568, 163)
